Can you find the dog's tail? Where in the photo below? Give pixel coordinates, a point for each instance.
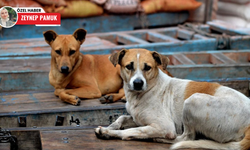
(206, 144)
(244, 144)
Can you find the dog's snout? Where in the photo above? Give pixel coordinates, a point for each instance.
(138, 83)
(65, 69)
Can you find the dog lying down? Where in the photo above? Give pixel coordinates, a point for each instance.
(75, 76)
(160, 106)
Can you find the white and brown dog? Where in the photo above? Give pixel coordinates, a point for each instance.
(159, 107)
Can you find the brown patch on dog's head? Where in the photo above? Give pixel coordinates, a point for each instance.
(65, 48)
(138, 66)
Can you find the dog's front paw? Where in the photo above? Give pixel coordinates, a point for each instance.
(77, 101)
(123, 99)
(102, 133)
(107, 99)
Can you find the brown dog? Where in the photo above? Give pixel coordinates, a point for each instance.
(74, 75)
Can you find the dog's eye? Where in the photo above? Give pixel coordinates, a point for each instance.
(147, 67)
(58, 52)
(130, 67)
(71, 52)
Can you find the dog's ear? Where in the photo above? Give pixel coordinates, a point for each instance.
(117, 57)
(49, 36)
(80, 35)
(161, 59)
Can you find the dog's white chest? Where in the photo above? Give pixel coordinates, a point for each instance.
(147, 110)
(134, 109)
(140, 112)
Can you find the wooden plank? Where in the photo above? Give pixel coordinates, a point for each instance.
(42, 108)
(24, 80)
(221, 58)
(41, 45)
(189, 35)
(71, 140)
(239, 57)
(45, 102)
(199, 58)
(210, 71)
(171, 31)
(239, 42)
(215, 59)
(26, 47)
(93, 117)
(28, 140)
(29, 137)
(157, 37)
(5, 146)
(104, 23)
(129, 39)
(183, 59)
(53, 128)
(31, 73)
(182, 46)
(227, 28)
(19, 64)
(105, 43)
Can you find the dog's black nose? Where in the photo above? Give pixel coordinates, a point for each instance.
(138, 83)
(65, 69)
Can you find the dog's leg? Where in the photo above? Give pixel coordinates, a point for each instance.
(188, 123)
(143, 132)
(58, 91)
(113, 97)
(124, 121)
(72, 95)
(64, 96)
(189, 134)
(85, 92)
(215, 118)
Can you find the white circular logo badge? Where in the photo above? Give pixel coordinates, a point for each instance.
(8, 17)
